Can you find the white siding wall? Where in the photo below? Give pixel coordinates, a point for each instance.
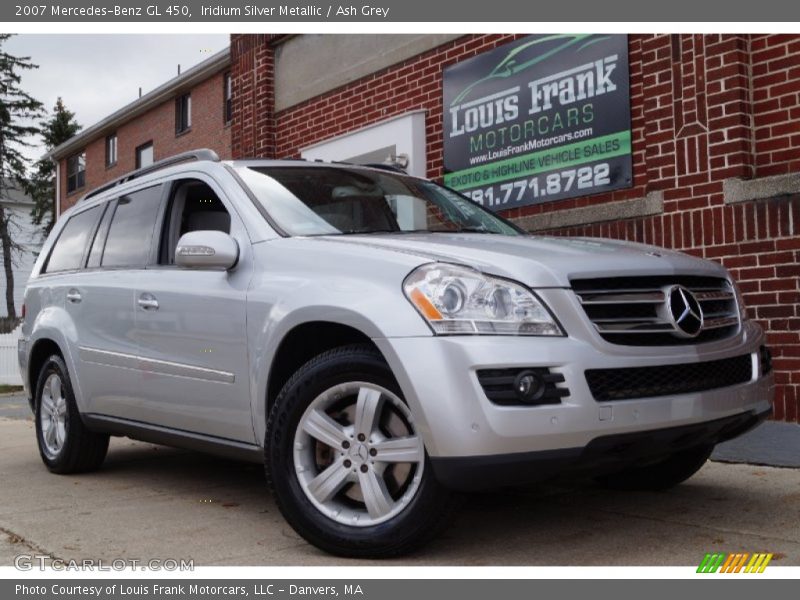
(27, 235)
(9, 367)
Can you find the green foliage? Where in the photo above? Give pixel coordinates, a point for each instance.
(56, 130)
(18, 115)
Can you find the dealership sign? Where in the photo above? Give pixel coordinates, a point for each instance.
(544, 118)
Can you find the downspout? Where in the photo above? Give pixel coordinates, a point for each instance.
(58, 187)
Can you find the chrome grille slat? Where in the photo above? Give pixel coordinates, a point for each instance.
(633, 310)
(649, 297)
(718, 295)
(721, 322)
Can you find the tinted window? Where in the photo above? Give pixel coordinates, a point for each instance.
(68, 250)
(131, 231)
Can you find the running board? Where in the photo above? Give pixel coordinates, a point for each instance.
(178, 438)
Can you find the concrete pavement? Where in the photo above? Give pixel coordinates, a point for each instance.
(155, 502)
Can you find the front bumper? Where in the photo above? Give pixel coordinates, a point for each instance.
(603, 454)
(438, 376)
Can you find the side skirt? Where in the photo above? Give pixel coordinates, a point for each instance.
(167, 436)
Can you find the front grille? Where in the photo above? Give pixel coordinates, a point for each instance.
(634, 311)
(498, 385)
(765, 358)
(647, 382)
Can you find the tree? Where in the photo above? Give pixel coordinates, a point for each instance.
(56, 130)
(18, 115)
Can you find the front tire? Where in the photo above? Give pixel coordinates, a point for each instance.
(65, 445)
(662, 475)
(346, 462)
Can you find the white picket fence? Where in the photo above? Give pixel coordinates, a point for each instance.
(9, 368)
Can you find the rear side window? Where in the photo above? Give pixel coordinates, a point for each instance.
(130, 235)
(68, 250)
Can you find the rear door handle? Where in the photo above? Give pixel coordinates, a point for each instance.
(74, 296)
(148, 302)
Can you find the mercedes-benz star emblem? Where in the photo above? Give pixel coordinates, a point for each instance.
(685, 310)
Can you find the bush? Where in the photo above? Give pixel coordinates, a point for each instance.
(7, 325)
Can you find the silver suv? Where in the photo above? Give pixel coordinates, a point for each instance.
(378, 341)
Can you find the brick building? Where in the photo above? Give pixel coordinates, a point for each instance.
(715, 142)
(189, 111)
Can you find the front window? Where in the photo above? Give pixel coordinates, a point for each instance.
(76, 172)
(340, 200)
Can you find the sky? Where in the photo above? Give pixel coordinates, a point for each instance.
(98, 74)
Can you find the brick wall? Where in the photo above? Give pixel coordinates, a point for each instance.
(208, 131)
(776, 110)
(252, 72)
(704, 109)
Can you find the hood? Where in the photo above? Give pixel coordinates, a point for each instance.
(538, 261)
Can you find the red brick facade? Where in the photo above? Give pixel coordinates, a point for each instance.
(705, 108)
(157, 125)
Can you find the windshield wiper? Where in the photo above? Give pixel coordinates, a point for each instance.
(474, 230)
(396, 231)
(365, 231)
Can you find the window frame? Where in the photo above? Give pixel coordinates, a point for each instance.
(183, 113)
(79, 183)
(137, 154)
(101, 233)
(112, 141)
(227, 98)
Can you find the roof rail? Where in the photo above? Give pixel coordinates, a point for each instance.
(201, 154)
(386, 167)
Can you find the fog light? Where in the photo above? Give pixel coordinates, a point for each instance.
(529, 386)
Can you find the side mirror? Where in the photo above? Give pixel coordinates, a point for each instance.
(206, 250)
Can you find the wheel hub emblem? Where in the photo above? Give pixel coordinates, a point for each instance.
(361, 453)
(684, 311)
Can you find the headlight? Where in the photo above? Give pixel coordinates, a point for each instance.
(459, 300)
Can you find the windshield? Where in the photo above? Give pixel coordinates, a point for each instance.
(341, 200)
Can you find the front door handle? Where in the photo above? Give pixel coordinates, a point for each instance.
(148, 302)
(74, 296)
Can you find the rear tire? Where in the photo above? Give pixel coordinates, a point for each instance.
(338, 494)
(65, 444)
(662, 475)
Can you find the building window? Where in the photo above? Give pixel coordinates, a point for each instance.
(183, 113)
(227, 90)
(144, 155)
(111, 150)
(76, 172)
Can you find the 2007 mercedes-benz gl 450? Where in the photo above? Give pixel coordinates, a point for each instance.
(378, 341)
